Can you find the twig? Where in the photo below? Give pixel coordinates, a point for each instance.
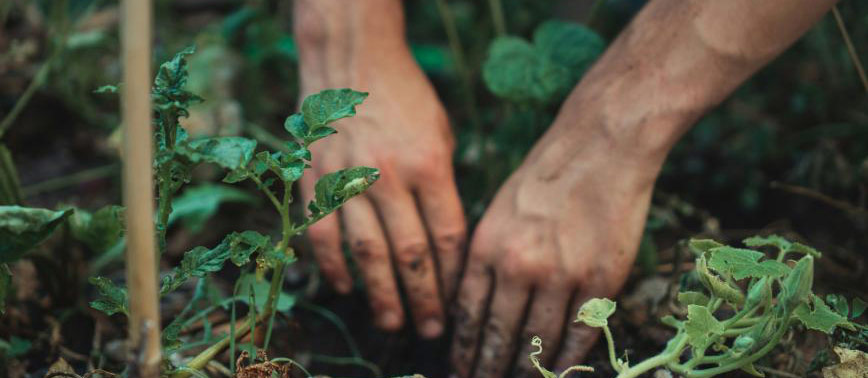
(838, 204)
(850, 48)
(69, 180)
(138, 188)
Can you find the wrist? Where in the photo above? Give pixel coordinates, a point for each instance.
(338, 38)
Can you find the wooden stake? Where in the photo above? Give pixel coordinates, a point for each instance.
(138, 189)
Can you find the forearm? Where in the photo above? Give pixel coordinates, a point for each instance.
(677, 59)
(336, 35)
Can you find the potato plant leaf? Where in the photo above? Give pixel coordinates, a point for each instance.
(333, 189)
(99, 230)
(22, 228)
(199, 203)
(571, 45)
(229, 152)
(701, 326)
(742, 263)
(328, 106)
(819, 316)
(112, 299)
(596, 312)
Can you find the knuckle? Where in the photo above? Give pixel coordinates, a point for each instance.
(368, 250)
(450, 241)
(413, 256)
(320, 235)
(522, 263)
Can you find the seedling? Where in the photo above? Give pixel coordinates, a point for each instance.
(175, 157)
(777, 297)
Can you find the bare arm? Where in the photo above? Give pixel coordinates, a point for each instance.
(566, 225)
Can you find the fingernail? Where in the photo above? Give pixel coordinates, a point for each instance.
(343, 287)
(431, 328)
(390, 320)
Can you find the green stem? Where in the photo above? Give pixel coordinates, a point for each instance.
(738, 363)
(164, 209)
(610, 341)
(497, 17)
(668, 355)
(10, 190)
(268, 193)
(460, 64)
(37, 82)
(202, 359)
(277, 275)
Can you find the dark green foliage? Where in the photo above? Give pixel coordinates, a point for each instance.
(112, 299)
(199, 203)
(100, 230)
(22, 228)
(333, 189)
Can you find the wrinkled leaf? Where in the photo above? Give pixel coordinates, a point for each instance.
(198, 204)
(819, 316)
(22, 228)
(328, 106)
(804, 249)
(229, 152)
(717, 286)
(112, 299)
(596, 312)
(701, 327)
(687, 298)
(516, 71)
(742, 263)
(333, 189)
(100, 230)
(242, 245)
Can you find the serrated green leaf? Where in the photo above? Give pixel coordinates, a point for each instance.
(858, 308)
(200, 261)
(819, 316)
(100, 230)
(330, 105)
(516, 71)
(571, 45)
(701, 327)
(333, 189)
(796, 286)
(199, 203)
(596, 312)
(768, 241)
(804, 249)
(228, 152)
(22, 228)
(687, 298)
(701, 246)
(742, 263)
(112, 299)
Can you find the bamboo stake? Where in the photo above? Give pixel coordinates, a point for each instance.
(138, 190)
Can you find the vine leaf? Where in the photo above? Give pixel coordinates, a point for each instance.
(99, 230)
(596, 312)
(686, 298)
(716, 285)
(742, 263)
(701, 326)
(112, 299)
(333, 189)
(819, 316)
(22, 228)
(701, 246)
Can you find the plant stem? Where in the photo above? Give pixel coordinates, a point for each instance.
(738, 363)
(668, 355)
(164, 209)
(268, 193)
(10, 190)
(37, 82)
(202, 359)
(857, 63)
(277, 275)
(497, 17)
(613, 360)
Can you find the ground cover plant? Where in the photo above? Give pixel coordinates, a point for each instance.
(786, 155)
(763, 299)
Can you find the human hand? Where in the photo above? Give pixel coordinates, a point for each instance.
(412, 216)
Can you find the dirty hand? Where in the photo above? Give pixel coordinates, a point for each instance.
(412, 216)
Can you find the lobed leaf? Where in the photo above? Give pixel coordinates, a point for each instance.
(333, 189)
(22, 228)
(330, 105)
(516, 71)
(717, 286)
(571, 45)
(701, 327)
(596, 312)
(742, 263)
(819, 316)
(112, 299)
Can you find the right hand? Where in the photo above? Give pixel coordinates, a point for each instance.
(412, 217)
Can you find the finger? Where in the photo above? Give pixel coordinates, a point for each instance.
(444, 217)
(470, 310)
(412, 255)
(504, 318)
(368, 245)
(578, 338)
(546, 320)
(325, 239)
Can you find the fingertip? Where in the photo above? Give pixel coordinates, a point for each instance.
(390, 320)
(431, 328)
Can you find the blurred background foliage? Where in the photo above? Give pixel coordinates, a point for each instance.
(787, 152)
